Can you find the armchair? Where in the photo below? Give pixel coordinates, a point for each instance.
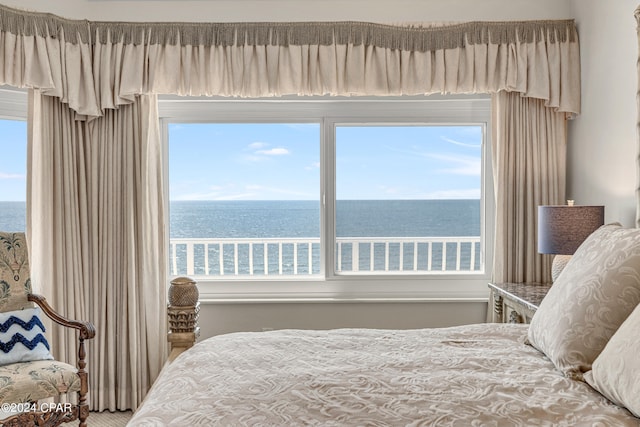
(28, 372)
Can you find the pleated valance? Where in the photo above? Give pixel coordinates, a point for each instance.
(93, 66)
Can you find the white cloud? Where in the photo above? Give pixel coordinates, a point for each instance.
(390, 190)
(260, 152)
(257, 145)
(400, 193)
(462, 144)
(279, 151)
(226, 191)
(232, 191)
(264, 190)
(215, 195)
(460, 165)
(313, 166)
(471, 193)
(468, 170)
(4, 175)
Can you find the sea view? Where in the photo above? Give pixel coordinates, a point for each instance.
(13, 216)
(386, 234)
(301, 218)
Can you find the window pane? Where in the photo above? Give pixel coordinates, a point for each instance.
(244, 199)
(408, 198)
(13, 167)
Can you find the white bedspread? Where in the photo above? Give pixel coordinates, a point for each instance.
(476, 375)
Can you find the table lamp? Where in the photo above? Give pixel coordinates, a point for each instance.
(562, 228)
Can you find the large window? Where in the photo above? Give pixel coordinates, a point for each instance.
(380, 198)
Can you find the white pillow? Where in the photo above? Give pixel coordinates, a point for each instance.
(615, 372)
(594, 294)
(22, 337)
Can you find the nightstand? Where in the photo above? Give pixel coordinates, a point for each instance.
(516, 302)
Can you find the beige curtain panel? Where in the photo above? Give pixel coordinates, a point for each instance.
(529, 158)
(94, 66)
(97, 232)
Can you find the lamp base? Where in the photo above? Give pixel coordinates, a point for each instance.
(559, 263)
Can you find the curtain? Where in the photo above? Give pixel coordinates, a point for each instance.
(529, 169)
(97, 226)
(95, 191)
(257, 60)
(94, 66)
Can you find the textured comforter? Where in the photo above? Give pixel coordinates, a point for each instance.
(476, 375)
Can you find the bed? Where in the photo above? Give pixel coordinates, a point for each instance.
(576, 364)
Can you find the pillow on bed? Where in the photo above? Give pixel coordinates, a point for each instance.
(615, 371)
(594, 294)
(22, 337)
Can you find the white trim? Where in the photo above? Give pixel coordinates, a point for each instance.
(439, 287)
(300, 109)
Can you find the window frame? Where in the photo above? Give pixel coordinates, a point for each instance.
(330, 112)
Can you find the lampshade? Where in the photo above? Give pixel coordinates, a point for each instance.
(561, 229)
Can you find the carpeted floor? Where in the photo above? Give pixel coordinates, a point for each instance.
(107, 419)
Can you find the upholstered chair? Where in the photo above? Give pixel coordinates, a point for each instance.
(28, 373)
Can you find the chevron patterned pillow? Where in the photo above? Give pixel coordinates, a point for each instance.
(22, 337)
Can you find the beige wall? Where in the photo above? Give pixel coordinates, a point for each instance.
(602, 141)
(602, 147)
(222, 318)
(300, 10)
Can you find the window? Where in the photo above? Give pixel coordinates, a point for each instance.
(13, 166)
(408, 198)
(244, 199)
(370, 198)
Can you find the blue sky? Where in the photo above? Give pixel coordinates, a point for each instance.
(13, 161)
(282, 162)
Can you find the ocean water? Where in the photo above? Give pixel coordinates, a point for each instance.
(354, 218)
(13, 216)
(301, 219)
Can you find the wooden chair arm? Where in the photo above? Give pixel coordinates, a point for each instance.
(87, 330)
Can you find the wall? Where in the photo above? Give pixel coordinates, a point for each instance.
(229, 317)
(299, 10)
(221, 318)
(602, 148)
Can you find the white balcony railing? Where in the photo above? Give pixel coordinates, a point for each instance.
(301, 256)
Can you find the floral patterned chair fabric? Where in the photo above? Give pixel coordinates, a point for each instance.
(32, 381)
(15, 283)
(23, 384)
